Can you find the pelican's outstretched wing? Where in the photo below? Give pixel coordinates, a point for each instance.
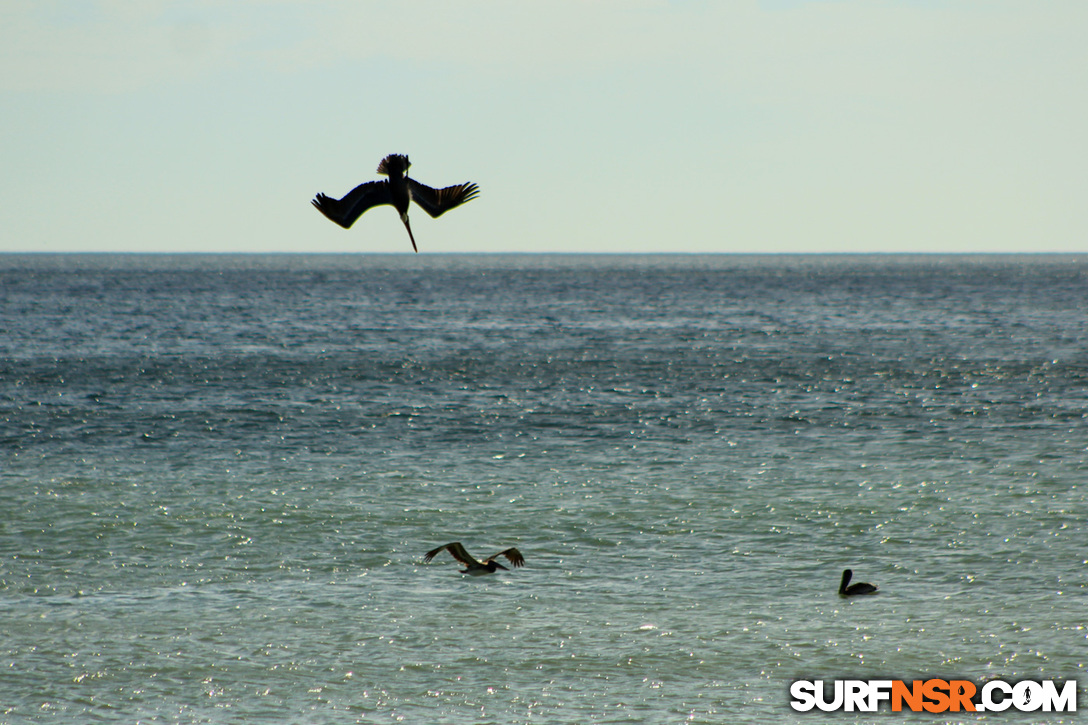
(456, 550)
(436, 202)
(515, 557)
(345, 211)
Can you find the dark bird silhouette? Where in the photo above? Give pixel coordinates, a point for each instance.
(398, 190)
(478, 568)
(852, 590)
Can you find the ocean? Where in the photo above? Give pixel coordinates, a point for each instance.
(220, 474)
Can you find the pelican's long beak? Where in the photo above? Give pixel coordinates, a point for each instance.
(409, 228)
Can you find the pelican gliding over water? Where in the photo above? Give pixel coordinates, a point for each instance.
(398, 190)
(851, 590)
(478, 568)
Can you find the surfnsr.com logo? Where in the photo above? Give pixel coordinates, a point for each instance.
(934, 695)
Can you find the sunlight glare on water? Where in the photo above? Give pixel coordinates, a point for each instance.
(221, 475)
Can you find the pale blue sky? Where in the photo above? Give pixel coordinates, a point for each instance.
(595, 126)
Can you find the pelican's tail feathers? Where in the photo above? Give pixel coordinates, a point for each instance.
(394, 164)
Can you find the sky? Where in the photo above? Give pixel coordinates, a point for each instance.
(641, 126)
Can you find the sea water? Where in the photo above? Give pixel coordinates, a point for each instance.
(219, 475)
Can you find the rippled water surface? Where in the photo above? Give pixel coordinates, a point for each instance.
(219, 476)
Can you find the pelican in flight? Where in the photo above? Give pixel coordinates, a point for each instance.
(398, 190)
(846, 589)
(478, 568)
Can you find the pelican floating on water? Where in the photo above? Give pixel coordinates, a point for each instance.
(398, 190)
(846, 589)
(478, 568)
